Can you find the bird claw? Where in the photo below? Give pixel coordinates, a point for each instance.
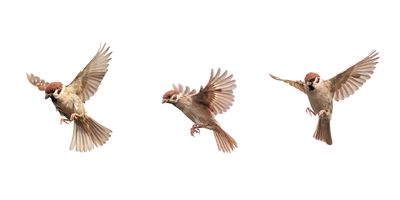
(321, 112)
(74, 116)
(195, 129)
(310, 111)
(64, 120)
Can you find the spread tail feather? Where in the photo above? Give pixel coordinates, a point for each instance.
(224, 141)
(88, 135)
(323, 131)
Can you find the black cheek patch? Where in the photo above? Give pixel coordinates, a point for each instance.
(53, 99)
(311, 87)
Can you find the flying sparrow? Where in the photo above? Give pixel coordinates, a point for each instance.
(215, 98)
(69, 101)
(322, 92)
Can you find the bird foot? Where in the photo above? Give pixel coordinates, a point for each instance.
(310, 111)
(74, 116)
(195, 129)
(321, 112)
(64, 120)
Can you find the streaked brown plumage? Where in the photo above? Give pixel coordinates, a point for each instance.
(215, 98)
(69, 101)
(322, 92)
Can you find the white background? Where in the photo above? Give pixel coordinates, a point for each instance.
(151, 154)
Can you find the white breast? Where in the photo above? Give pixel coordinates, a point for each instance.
(320, 98)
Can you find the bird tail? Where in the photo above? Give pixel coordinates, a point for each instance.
(323, 131)
(88, 134)
(224, 141)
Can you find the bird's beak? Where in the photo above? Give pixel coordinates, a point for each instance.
(47, 96)
(164, 101)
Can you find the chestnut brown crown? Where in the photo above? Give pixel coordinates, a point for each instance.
(167, 96)
(310, 76)
(52, 87)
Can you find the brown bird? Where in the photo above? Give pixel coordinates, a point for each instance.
(69, 101)
(215, 98)
(322, 92)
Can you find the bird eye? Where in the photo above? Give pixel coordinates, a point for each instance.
(58, 91)
(174, 97)
(317, 80)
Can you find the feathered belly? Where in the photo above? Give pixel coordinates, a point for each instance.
(320, 101)
(65, 109)
(68, 106)
(200, 117)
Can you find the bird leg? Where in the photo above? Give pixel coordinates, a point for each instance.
(195, 129)
(326, 114)
(64, 120)
(310, 111)
(74, 116)
(321, 112)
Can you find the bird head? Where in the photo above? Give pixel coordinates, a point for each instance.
(53, 90)
(312, 79)
(171, 96)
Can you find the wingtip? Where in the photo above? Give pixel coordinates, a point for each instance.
(373, 53)
(219, 75)
(272, 76)
(29, 76)
(104, 47)
(104, 50)
(103, 44)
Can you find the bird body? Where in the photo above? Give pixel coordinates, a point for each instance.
(322, 92)
(69, 101)
(202, 116)
(320, 98)
(321, 101)
(201, 108)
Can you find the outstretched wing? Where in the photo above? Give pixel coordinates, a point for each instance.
(297, 84)
(184, 91)
(218, 93)
(36, 81)
(88, 80)
(347, 82)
